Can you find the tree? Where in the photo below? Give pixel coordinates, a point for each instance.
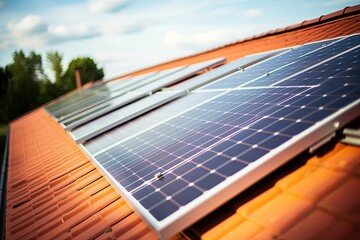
(5, 77)
(24, 85)
(89, 72)
(23, 89)
(54, 59)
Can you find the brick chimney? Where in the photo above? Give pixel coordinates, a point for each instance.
(78, 77)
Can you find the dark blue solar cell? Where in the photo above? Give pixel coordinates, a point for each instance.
(143, 192)
(231, 168)
(129, 180)
(209, 181)
(253, 155)
(165, 160)
(174, 187)
(274, 142)
(297, 128)
(236, 150)
(184, 150)
(163, 210)
(195, 173)
(134, 185)
(242, 135)
(203, 157)
(257, 137)
(152, 199)
(165, 179)
(278, 125)
(222, 146)
(300, 113)
(342, 102)
(184, 168)
(123, 175)
(147, 170)
(319, 115)
(322, 101)
(215, 162)
(186, 196)
(262, 123)
(284, 111)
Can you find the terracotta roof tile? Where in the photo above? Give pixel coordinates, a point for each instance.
(293, 207)
(55, 192)
(58, 193)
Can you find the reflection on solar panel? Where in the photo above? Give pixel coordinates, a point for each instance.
(277, 67)
(176, 170)
(104, 123)
(140, 92)
(99, 97)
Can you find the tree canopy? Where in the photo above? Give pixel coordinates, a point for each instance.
(25, 86)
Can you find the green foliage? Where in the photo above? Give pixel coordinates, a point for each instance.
(24, 85)
(3, 133)
(23, 90)
(54, 59)
(89, 72)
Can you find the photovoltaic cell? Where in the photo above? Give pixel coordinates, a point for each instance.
(175, 171)
(82, 95)
(140, 92)
(283, 64)
(122, 115)
(100, 97)
(145, 121)
(104, 123)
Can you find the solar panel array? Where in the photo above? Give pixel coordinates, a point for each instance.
(179, 153)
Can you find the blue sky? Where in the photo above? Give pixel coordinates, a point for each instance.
(126, 35)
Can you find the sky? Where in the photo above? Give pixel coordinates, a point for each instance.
(127, 35)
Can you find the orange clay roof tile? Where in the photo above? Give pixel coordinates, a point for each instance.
(67, 200)
(302, 205)
(55, 192)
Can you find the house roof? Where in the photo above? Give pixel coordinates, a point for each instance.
(55, 192)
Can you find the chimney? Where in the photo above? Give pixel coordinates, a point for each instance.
(78, 77)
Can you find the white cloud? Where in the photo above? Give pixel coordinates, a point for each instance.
(250, 13)
(203, 40)
(123, 27)
(63, 33)
(29, 25)
(107, 5)
(32, 31)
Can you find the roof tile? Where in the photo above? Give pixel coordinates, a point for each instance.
(343, 202)
(246, 230)
(224, 228)
(288, 211)
(311, 227)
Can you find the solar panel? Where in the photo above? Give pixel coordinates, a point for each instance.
(143, 91)
(145, 121)
(63, 102)
(178, 170)
(84, 104)
(286, 63)
(102, 124)
(122, 115)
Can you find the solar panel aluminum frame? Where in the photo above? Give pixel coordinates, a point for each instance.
(233, 185)
(138, 94)
(174, 95)
(134, 96)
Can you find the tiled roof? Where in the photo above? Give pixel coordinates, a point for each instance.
(55, 192)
